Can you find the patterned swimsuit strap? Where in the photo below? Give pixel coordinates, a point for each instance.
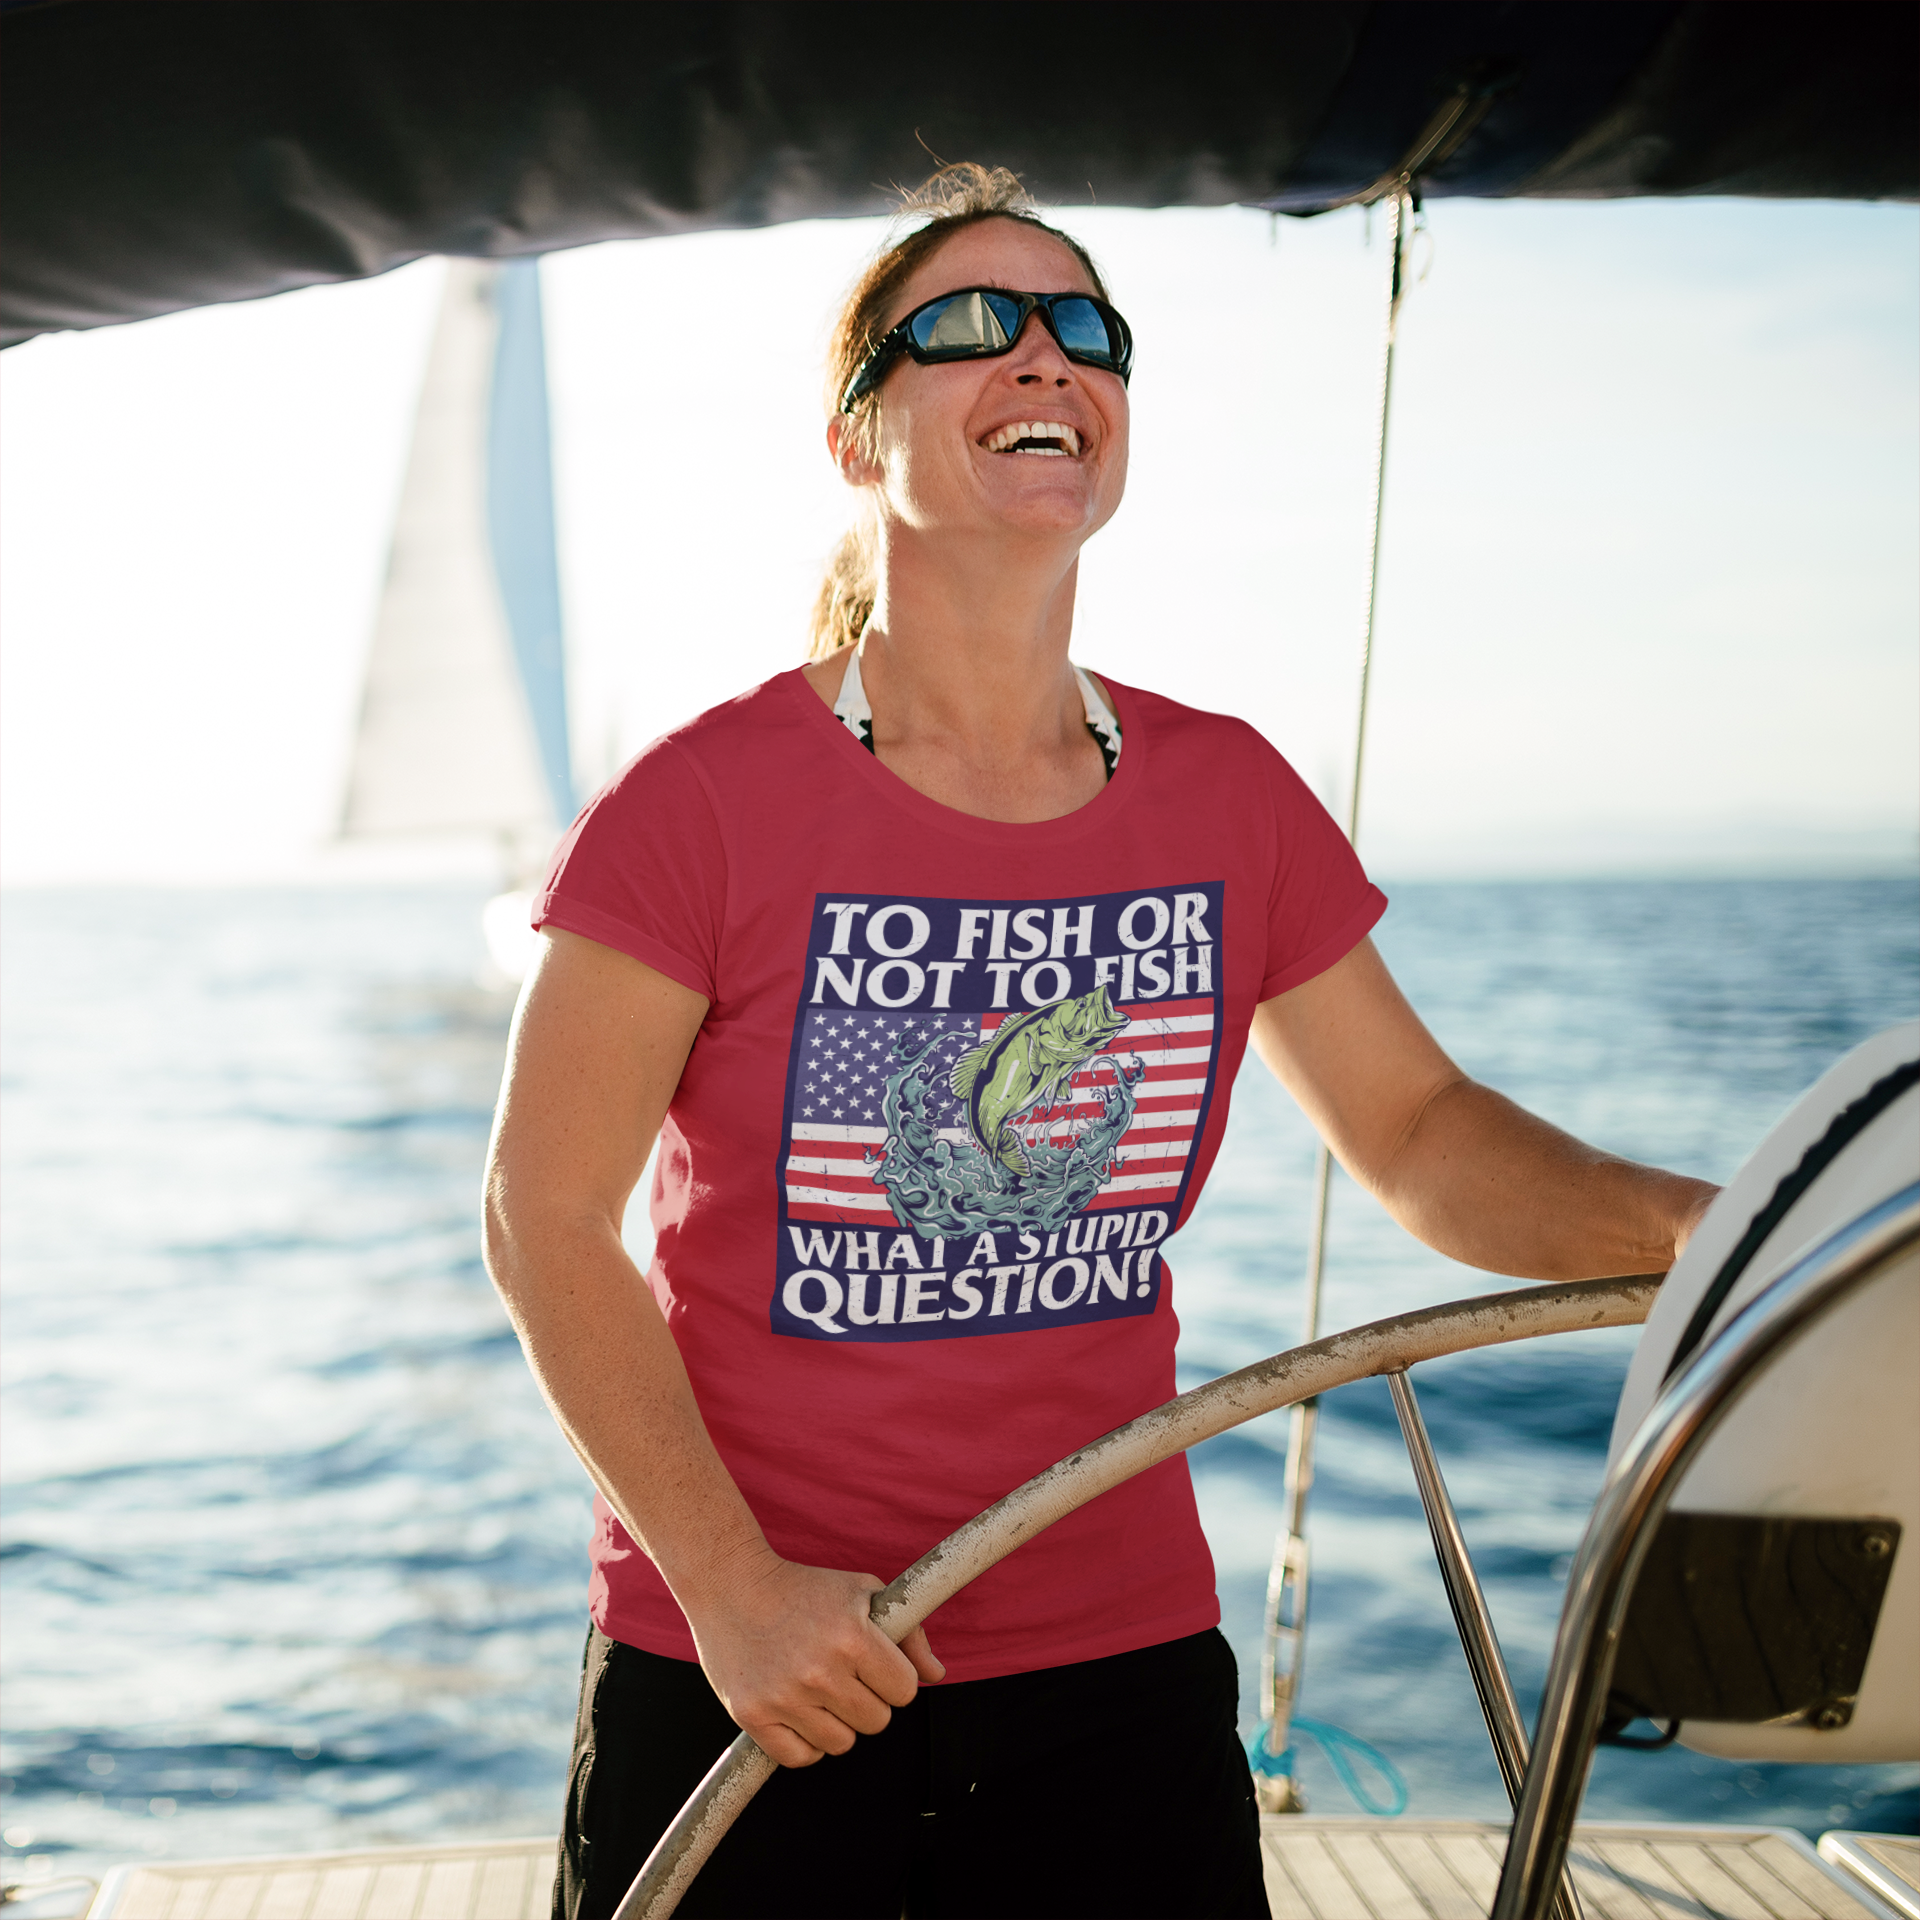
(853, 713)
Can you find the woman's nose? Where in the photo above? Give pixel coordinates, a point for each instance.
(1037, 358)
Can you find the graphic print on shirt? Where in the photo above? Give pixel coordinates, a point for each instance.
(993, 1109)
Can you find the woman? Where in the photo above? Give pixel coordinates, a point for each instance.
(931, 965)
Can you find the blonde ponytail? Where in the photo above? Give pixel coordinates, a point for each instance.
(844, 604)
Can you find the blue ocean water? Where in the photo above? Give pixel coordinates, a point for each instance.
(293, 1557)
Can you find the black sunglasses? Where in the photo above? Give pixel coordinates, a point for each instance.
(978, 323)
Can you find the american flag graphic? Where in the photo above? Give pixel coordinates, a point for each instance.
(1057, 1219)
(837, 1126)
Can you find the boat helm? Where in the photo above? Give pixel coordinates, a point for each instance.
(1777, 1616)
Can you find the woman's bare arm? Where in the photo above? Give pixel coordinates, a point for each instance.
(1458, 1165)
(598, 1045)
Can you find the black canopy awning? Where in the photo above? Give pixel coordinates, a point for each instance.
(160, 154)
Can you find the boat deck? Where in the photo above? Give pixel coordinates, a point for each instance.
(501, 1880)
(1448, 1869)
(1316, 1870)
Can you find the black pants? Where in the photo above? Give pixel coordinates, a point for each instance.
(1112, 1788)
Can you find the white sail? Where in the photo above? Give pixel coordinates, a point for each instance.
(446, 741)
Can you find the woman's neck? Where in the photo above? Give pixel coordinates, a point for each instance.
(965, 668)
(970, 634)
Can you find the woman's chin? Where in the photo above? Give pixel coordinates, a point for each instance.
(1045, 505)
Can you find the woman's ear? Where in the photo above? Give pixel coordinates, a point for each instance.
(843, 446)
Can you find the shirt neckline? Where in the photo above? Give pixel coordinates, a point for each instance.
(888, 785)
(851, 709)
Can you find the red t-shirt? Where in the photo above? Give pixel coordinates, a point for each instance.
(957, 1082)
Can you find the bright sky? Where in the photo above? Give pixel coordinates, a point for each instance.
(1649, 584)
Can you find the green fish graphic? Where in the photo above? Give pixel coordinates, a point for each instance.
(1026, 1062)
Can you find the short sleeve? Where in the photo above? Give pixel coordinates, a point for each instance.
(644, 869)
(1321, 904)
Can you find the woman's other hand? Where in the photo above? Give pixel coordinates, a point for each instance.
(1455, 1163)
(797, 1660)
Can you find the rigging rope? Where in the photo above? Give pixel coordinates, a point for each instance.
(1284, 1653)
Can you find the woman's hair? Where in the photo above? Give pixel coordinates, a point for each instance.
(955, 198)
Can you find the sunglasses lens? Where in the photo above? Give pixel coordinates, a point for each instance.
(967, 323)
(1083, 332)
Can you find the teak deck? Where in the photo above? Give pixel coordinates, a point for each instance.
(1448, 1869)
(1316, 1870)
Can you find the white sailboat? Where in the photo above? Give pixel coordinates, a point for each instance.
(464, 733)
(463, 721)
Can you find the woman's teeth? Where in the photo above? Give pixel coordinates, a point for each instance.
(1053, 437)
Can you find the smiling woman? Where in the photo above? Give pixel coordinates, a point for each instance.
(931, 965)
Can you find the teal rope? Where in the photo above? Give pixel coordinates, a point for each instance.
(1338, 1745)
